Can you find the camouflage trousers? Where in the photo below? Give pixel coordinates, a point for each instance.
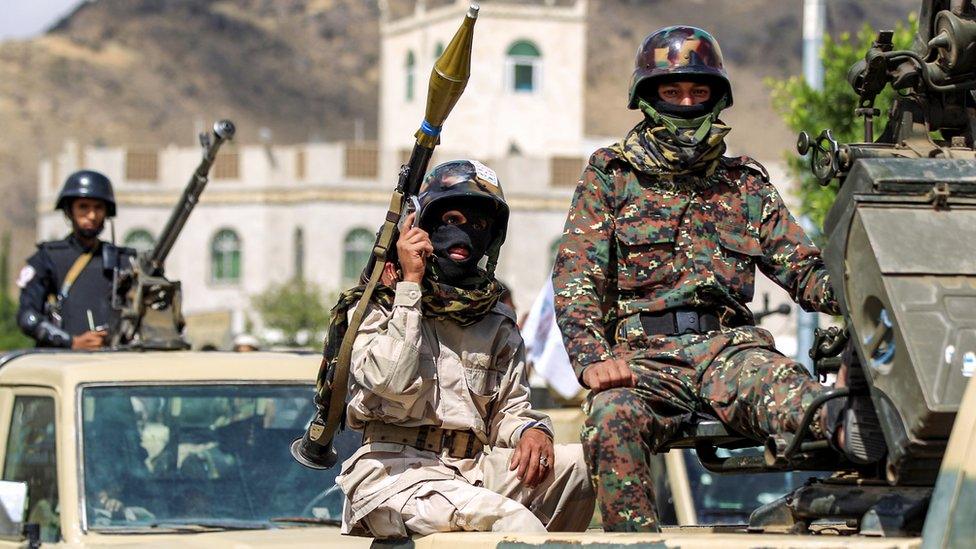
(736, 375)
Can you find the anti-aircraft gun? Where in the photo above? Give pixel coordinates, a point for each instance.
(899, 234)
(149, 305)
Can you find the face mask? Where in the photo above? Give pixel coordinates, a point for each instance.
(688, 125)
(458, 249)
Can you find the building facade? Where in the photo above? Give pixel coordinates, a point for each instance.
(273, 213)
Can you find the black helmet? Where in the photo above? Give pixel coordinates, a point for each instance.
(87, 184)
(680, 52)
(466, 181)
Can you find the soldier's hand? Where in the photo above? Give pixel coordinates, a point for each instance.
(533, 457)
(89, 341)
(608, 374)
(413, 249)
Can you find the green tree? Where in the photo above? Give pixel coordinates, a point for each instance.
(806, 109)
(10, 336)
(294, 307)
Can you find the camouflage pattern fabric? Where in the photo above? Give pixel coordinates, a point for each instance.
(679, 47)
(636, 242)
(652, 150)
(734, 375)
(679, 50)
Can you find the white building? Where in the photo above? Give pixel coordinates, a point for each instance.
(272, 212)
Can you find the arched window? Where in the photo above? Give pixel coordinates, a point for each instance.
(139, 239)
(411, 70)
(438, 49)
(358, 245)
(225, 257)
(299, 250)
(523, 67)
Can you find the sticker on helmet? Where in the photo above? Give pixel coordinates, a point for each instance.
(485, 174)
(25, 276)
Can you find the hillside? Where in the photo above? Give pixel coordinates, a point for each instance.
(155, 71)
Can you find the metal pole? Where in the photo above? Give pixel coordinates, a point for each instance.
(814, 22)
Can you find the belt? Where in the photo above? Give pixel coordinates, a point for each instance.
(679, 322)
(459, 444)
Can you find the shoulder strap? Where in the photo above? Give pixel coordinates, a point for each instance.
(73, 273)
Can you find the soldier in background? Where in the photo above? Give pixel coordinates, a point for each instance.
(654, 273)
(246, 343)
(66, 287)
(438, 374)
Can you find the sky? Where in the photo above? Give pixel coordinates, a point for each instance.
(25, 18)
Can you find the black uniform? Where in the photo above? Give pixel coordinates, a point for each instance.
(44, 276)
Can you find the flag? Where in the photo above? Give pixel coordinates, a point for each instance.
(544, 346)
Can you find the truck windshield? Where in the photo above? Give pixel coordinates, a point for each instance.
(209, 456)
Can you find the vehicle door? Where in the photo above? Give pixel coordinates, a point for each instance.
(28, 432)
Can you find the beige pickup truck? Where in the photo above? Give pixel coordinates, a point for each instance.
(162, 449)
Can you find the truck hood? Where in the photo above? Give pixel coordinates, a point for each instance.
(324, 536)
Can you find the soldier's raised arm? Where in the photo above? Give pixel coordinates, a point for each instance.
(386, 355)
(582, 272)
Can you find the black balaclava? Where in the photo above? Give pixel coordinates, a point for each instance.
(445, 237)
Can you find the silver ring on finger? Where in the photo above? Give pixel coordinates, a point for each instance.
(544, 461)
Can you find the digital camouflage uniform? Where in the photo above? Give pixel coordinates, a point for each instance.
(635, 243)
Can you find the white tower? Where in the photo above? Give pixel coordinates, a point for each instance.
(526, 90)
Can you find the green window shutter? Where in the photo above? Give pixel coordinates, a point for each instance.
(356, 251)
(225, 253)
(523, 48)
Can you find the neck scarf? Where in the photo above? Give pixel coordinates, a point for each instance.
(441, 301)
(652, 149)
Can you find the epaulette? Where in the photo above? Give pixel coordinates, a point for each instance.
(505, 311)
(602, 158)
(748, 163)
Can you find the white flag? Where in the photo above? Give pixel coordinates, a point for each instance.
(544, 346)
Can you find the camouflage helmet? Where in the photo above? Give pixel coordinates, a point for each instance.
(465, 181)
(680, 51)
(86, 184)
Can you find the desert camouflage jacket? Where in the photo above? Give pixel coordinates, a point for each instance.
(636, 244)
(410, 370)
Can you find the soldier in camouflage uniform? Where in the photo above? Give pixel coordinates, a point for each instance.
(654, 272)
(438, 375)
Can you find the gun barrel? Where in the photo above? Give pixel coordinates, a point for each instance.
(223, 130)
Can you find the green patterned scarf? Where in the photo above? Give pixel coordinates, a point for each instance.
(651, 149)
(440, 301)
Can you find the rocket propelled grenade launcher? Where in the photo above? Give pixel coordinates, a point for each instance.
(150, 311)
(447, 82)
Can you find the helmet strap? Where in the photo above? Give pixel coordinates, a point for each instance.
(702, 125)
